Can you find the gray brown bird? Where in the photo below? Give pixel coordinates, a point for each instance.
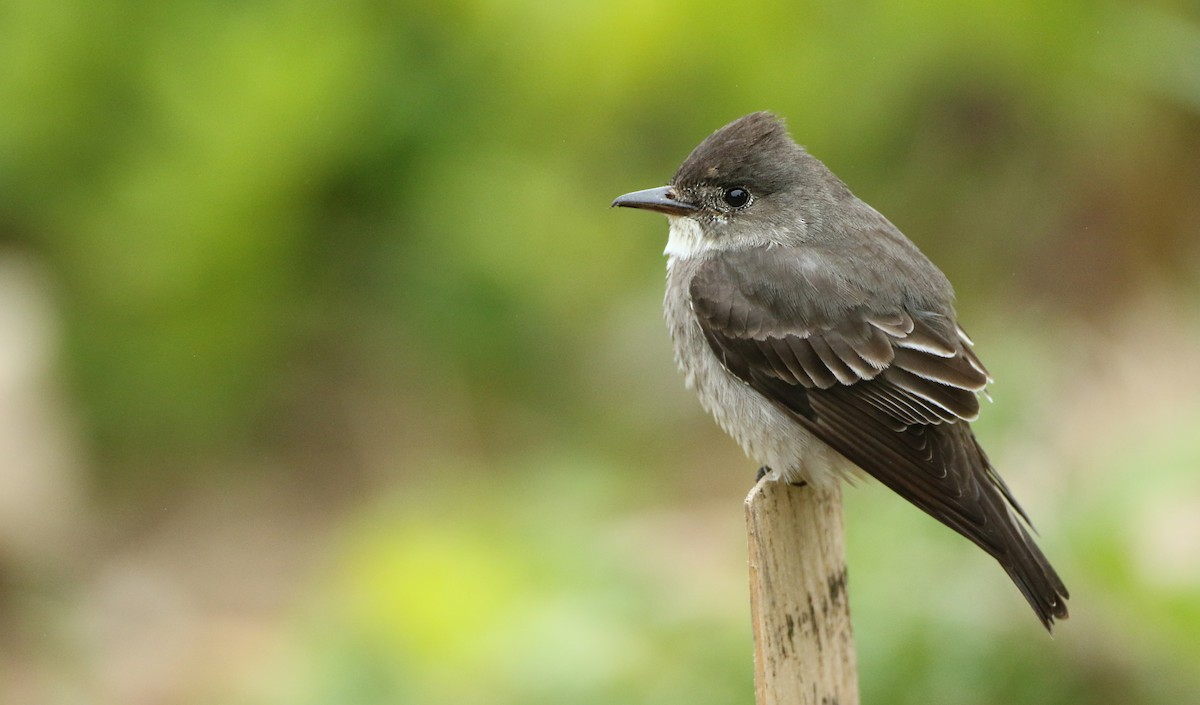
(823, 340)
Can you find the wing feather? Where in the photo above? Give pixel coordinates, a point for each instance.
(811, 362)
(841, 371)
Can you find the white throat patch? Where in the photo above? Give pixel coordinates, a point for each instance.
(685, 239)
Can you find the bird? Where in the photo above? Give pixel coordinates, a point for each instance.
(827, 344)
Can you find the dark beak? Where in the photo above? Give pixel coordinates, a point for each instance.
(661, 199)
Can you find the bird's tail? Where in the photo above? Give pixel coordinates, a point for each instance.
(1027, 565)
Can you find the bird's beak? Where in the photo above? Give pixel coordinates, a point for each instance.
(661, 199)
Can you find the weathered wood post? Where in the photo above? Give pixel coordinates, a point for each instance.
(803, 643)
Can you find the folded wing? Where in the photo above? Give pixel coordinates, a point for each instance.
(892, 388)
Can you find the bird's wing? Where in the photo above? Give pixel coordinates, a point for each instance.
(890, 386)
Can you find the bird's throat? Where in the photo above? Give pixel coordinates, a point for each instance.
(686, 239)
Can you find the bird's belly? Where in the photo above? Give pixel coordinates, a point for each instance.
(766, 433)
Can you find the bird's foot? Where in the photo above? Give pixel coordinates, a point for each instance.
(764, 471)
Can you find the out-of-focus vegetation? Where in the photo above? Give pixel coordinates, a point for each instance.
(327, 376)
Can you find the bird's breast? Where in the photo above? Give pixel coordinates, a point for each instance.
(766, 433)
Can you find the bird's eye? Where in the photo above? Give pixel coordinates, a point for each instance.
(736, 197)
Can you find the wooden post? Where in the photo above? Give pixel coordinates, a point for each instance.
(803, 643)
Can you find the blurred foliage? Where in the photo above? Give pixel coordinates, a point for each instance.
(369, 391)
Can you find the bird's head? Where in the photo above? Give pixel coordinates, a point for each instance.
(746, 185)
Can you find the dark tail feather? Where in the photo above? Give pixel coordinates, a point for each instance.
(1016, 551)
(1029, 569)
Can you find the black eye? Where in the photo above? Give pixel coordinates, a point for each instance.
(736, 197)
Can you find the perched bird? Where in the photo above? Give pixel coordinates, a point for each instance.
(821, 339)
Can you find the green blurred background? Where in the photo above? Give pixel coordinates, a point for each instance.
(328, 377)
